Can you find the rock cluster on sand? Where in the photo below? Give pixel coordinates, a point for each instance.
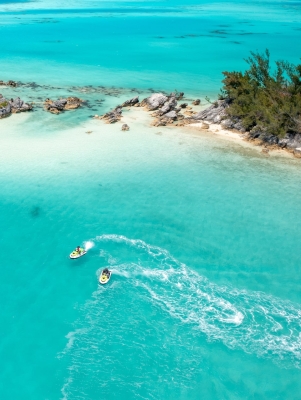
(60, 105)
(166, 111)
(163, 105)
(165, 108)
(217, 114)
(112, 116)
(7, 107)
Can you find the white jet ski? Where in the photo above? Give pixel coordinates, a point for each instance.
(77, 253)
(104, 276)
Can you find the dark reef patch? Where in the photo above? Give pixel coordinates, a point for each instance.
(35, 212)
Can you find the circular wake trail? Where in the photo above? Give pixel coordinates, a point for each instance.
(155, 295)
(252, 321)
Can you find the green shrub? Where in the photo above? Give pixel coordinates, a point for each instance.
(3, 104)
(269, 100)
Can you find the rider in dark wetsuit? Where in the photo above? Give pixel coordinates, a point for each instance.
(106, 272)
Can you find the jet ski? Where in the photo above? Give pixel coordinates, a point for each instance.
(104, 276)
(78, 253)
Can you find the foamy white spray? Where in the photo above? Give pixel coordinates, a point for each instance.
(88, 245)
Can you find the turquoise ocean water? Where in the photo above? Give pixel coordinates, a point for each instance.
(202, 235)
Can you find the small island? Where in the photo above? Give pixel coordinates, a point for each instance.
(262, 105)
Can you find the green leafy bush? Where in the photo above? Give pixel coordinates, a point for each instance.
(3, 104)
(269, 100)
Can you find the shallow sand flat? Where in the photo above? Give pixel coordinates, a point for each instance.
(25, 141)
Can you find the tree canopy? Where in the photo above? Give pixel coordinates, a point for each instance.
(265, 97)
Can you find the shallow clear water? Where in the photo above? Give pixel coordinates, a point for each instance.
(202, 234)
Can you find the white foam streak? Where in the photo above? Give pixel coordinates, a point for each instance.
(253, 321)
(88, 245)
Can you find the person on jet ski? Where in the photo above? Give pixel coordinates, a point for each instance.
(106, 272)
(78, 250)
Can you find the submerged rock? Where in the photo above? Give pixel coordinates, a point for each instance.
(196, 102)
(60, 105)
(131, 102)
(113, 116)
(179, 95)
(9, 83)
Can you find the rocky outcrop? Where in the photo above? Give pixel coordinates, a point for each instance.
(7, 107)
(168, 106)
(196, 102)
(132, 102)
(171, 115)
(292, 141)
(155, 101)
(164, 107)
(125, 127)
(18, 105)
(113, 116)
(215, 113)
(60, 105)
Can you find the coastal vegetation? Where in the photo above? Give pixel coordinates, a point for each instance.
(265, 99)
(3, 103)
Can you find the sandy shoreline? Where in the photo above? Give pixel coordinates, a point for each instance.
(133, 115)
(239, 138)
(140, 118)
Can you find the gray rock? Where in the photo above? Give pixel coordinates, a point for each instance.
(283, 142)
(19, 105)
(183, 105)
(59, 104)
(294, 141)
(12, 106)
(155, 101)
(227, 123)
(131, 102)
(168, 106)
(113, 116)
(215, 113)
(196, 102)
(238, 126)
(125, 127)
(171, 115)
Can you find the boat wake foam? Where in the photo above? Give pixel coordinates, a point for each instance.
(254, 322)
